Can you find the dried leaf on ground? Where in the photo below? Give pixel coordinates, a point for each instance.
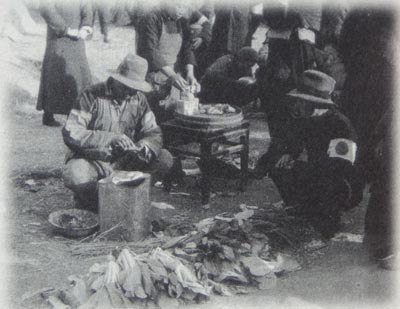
(225, 216)
(112, 271)
(77, 294)
(190, 257)
(348, 237)
(146, 280)
(173, 279)
(283, 263)
(174, 241)
(256, 266)
(57, 303)
(205, 225)
(162, 205)
(239, 290)
(157, 270)
(228, 253)
(189, 280)
(221, 289)
(166, 259)
(287, 263)
(266, 282)
(107, 297)
(231, 275)
(315, 245)
(244, 215)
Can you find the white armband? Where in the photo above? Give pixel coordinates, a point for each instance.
(342, 148)
(306, 35)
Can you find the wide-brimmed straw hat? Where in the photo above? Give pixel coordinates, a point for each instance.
(314, 87)
(132, 73)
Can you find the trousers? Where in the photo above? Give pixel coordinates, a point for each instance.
(81, 176)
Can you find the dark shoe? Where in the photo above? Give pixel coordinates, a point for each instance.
(327, 225)
(107, 39)
(390, 262)
(255, 174)
(48, 120)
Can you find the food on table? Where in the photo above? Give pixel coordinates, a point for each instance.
(216, 109)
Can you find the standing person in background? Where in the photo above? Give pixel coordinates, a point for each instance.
(65, 71)
(291, 49)
(104, 10)
(201, 23)
(230, 30)
(164, 41)
(368, 95)
(380, 216)
(333, 16)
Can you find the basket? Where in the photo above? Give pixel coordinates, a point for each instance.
(88, 222)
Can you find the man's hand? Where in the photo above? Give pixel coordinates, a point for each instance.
(121, 144)
(73, 33)
(196, 42)
(192, 80)
(245, 81)
(179, 82)
(286, 161)
(85, 32)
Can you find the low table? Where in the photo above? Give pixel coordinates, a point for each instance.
(235, 138)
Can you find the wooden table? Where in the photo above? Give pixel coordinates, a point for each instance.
(235, 139)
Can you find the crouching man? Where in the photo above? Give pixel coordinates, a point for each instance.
(229, 79)
(311, 160)
(111, 127)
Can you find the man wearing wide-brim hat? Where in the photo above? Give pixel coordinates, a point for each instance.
(112, 127)
(311, 160)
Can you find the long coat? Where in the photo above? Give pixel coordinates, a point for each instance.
(365, 45)
(230, 31)
(65, 71)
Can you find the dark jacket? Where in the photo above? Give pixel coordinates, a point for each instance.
(312, 134)
(219, 83)
(369, 60)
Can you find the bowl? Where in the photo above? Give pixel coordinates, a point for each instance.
(74, 223)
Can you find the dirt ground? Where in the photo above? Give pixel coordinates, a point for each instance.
(340, 276)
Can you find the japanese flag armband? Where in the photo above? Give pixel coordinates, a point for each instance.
(342, 148)
(305, 34)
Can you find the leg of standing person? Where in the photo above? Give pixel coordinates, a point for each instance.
(104, 13)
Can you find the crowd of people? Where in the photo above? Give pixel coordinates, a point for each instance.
(323, 78)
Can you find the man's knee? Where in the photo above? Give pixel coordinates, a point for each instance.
(79, 173)
(165, 162)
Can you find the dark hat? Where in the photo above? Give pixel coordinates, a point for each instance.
(314, 87)
(247, 54)
(132, 73)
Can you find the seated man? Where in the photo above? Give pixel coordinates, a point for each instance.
(112, 127)
(311, 159)
(227, 80)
